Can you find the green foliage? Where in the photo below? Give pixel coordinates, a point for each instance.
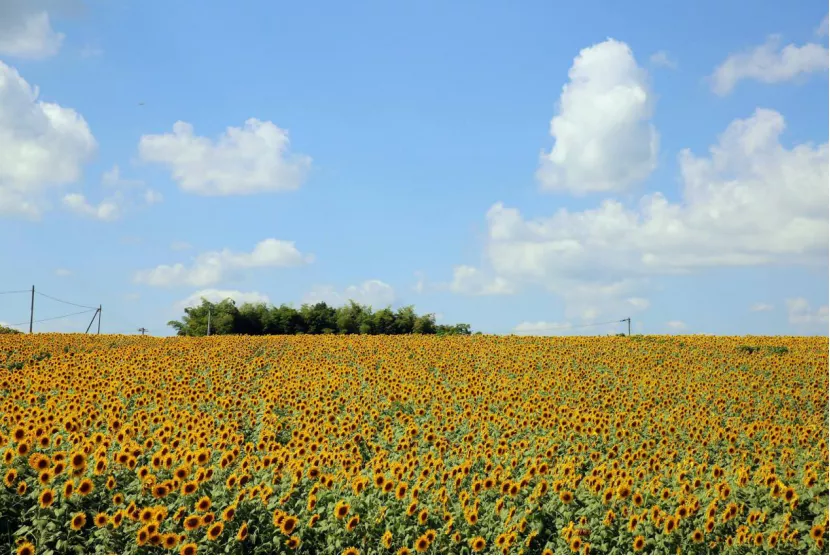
(255, 319)
(7, 330)
(769, 350)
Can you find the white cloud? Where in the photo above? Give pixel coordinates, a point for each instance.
(42, 145)
(248, 160)
(676, 325)
(800, 313)
(26, 30)
(751, 202)
(90, 51)
(113, 178)
(375, 293)
(604, 140)
(180, 246)
(132, 296)
(663, 60)
(469, 280)
(542, 328)
(106, 210)
(759, 307)
(545, 328)
(420, 285)
(214, 266)
(63, 272)
(151, 197)
(769, 63)
(821, 30)
(217, 296)
(638, 303)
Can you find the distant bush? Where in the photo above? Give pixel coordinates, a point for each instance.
(7, 330)
(256, 319)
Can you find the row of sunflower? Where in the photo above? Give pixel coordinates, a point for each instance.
(355, 444)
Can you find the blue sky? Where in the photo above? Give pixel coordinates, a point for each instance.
(528, 167)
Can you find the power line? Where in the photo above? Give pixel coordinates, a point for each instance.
(55, 318)
(15, 291)
(67, 302)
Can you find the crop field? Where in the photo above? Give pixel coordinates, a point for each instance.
(413, 444)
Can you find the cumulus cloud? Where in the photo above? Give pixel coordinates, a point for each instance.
(214, 266)
(769, 63)
(760, 307)
(676, 325)
(217, 296)
(247, 160)
(26, 29)
(469, 280)
(604, 139)
(105, 210)
(663, 60)
(375, 293)
(750, 202)
(800, 313)
(122, 194)
(42, 145)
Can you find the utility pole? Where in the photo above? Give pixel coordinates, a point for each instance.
(142, 330)
(92, 320)
(99, 319)
(32, 311)
(629, 325)
(208, 329)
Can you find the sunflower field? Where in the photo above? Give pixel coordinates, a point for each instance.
(413, 444)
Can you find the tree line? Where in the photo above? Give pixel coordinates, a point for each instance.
(256, 319)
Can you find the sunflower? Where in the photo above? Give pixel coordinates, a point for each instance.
(638, 544)
(288, 525)
(26, 548)
(117, 518)
(341, 509)
(353, 521)
(10, 478)
(351, 550)
(670, 525)
(697, 536)
(477, 544)
(46, 498)
(229, 513)
(293, 543)
(386, 539)
(170, 540)
(101, 519)
(566, 497)
(188, 549)
(242, 534)
(85, 487)
(77, 460)
(192, 522)
(817, 532)
(421, 544)
(78, 521)
(215, 531)
(189, 488)
(203, 504)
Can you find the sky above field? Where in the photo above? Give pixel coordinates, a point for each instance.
(528, 167)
